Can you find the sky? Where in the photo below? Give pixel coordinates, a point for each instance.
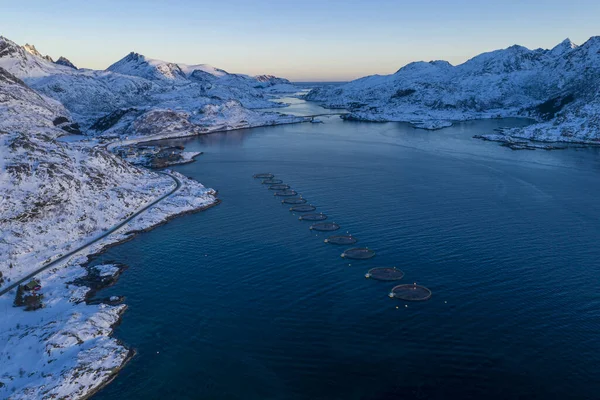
(303, 40)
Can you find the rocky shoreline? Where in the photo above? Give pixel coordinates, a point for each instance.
(523, 143)
(96, 283)
(73, 287)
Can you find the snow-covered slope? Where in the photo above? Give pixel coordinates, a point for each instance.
(143, 84)
(556, 87)
(22, 108)
(53, 194)
(56, 197)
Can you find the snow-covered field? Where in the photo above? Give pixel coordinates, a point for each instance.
(560, 88)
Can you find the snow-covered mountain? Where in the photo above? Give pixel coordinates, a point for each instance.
(32, 50)
(137, 85)
(65, 61)
(560, 88)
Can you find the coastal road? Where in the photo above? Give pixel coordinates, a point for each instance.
(105, 234)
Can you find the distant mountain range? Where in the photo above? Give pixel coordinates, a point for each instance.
(559, 88)
(116, 101)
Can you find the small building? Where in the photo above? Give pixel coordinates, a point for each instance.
(33, 285)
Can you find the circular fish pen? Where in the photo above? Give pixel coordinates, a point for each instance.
(341, 239)
(265, 175)
(285, 193)
(409, 292)
(385, 274)
(359, 253)
(279, 187)
(272, 181)
(297, 200)
(313, 217)
(303, 208)
(325, 227)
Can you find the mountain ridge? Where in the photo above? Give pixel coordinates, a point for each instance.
(146, 85)
(510, 82)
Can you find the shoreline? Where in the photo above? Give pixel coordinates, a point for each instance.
(130, 236)
(92, 292)
(61, 290)
(435, 124)
(157, 138)
(131, 352)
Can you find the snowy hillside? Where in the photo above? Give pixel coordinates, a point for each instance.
(54, 198)
(56, 194)
(94, 98)
(558, 87)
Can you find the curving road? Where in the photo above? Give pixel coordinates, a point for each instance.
(105, 234)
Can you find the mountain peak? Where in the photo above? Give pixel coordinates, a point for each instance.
(136, 64)
(33, 51)
(423, 66)
(563, 46)
(518, 48)
(133, 56)
(65, 61)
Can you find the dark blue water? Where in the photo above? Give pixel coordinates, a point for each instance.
(244, 302)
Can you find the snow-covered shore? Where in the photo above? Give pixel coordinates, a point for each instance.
(559, 88)
(147, 126)
(65, 349)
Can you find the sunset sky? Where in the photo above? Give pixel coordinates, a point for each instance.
(306, 40)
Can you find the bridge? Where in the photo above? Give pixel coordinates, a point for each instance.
(313, 116)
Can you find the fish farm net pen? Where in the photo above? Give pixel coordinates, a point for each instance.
(296, 200)
(385, 274)
(303, 208)
(341, 239)
(409, 292)
(263, 176)
(325, 227)
(358, 253)
(279, 187)
(285, 193)
(272, 181)
(313, 217)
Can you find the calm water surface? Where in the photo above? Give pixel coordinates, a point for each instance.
(244, 302)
